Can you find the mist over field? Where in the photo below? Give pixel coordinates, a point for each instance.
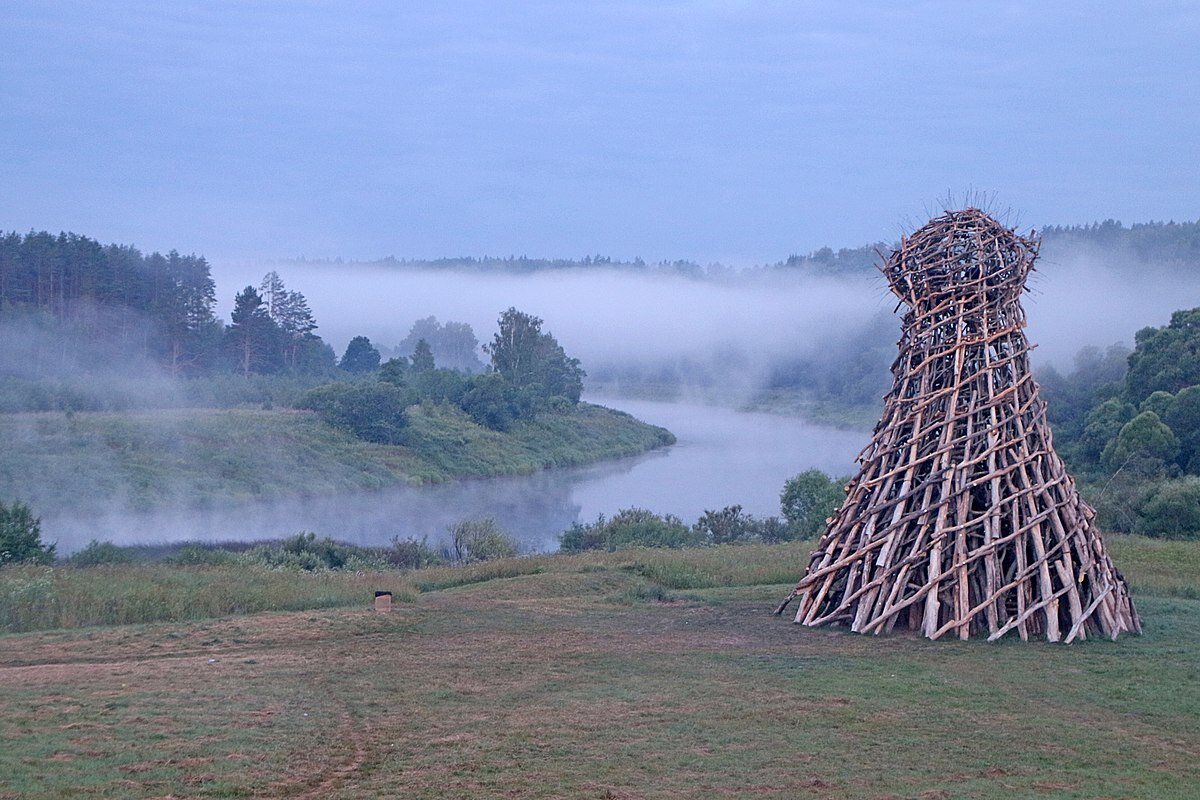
(1078, 298)
(728, 333)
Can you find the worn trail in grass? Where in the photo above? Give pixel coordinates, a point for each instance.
(571, 684)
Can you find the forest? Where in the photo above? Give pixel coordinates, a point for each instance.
(75, 311)
(1128, 424)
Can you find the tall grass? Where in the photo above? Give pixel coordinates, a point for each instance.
(38, 598)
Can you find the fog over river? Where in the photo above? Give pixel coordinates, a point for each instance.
(722, 457)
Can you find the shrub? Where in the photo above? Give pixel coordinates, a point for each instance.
(199, 555)
(305, 551)
(1173, 512)
(1101, 426)
(772, 530)
(630, 527)
(808, 499)
(580, 537)
(727, 525)
(637, 527)
(475, 540)
(412, 554)
(1144, 436)
(21, 536)
(101, 553)
(371, 410)
(731, 525)
(493, 402)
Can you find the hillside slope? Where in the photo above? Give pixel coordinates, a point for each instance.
(202, 456)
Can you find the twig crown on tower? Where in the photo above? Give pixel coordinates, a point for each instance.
(962, 519)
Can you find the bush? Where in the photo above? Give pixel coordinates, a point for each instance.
(1146, 437)
(101, 553)
(630, 527)
(493, 402)
(21, 536)
(475, 540)
(580, 537)
(636, 527)
(412, 554)
(200, 555)
(305, 551)
(1173, 512)
(724, 526)
(808, 499)
(372, 410)
(771, 530)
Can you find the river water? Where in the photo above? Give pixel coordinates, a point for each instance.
(722, 457)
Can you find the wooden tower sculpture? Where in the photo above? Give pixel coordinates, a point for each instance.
(962, 519)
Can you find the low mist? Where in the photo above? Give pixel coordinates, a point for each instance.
(1080, 298)
(618, 323)
(98, 361)
(731, 332)
(725, 338)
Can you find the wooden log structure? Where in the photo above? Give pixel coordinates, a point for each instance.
(962, 519)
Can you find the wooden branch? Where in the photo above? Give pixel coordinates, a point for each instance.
(962, 517)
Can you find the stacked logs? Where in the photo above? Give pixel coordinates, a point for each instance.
(962, 519)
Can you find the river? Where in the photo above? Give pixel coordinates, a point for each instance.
(722, 457)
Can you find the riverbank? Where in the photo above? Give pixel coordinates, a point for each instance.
(802, 405)
(203, 457)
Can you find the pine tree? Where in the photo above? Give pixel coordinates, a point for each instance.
(253, 339)
(422, 357)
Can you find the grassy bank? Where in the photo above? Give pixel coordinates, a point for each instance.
(592, 676)
(837, 414)
(195, 456)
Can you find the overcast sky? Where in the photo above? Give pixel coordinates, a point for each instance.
(731, 131)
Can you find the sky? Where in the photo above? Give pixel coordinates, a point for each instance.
(718, 130)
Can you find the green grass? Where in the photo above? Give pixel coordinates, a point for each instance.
(448, 444)
(838, 414)
(593, 676)
(196, 456)
(1157, 566)
(37, 598)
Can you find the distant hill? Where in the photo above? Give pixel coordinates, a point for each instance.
(1165, 243)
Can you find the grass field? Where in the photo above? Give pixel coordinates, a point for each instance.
(595, 676)
(143, 459)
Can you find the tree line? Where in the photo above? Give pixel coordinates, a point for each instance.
(113, 302)
(159, 304)
(72, 307)
(529, 373)
(1128, 422)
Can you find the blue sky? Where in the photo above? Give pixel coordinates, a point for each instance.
(732, 131)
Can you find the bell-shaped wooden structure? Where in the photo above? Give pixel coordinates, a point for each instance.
(962, 519)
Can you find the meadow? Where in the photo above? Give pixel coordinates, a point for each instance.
(634, 674)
